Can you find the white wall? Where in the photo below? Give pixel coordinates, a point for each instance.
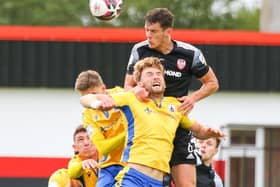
(239, 108)
(40, 122)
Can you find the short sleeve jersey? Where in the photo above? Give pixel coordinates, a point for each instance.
(102, 125)
(151, 129)
(181, 64)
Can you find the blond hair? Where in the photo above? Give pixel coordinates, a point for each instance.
(145, 63)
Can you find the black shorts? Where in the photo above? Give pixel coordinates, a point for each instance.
(184, 148)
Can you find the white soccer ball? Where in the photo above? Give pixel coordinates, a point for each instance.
(105, 10)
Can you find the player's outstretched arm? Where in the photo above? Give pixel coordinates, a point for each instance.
(97, 101)
(203, 132)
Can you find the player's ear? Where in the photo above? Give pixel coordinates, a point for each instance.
(75, 148)
(140, 84)
(103, 87)
(168, 31)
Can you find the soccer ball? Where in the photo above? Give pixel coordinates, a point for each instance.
(105, 10)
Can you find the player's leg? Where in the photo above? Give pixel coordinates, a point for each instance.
(183, 159)
(184, 175)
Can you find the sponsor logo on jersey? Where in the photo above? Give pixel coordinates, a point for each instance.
(147, 110)
(171, 108)
(171, 73)
(190, 157)
(181, 63)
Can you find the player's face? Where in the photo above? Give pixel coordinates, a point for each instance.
(156, 35)
(207, 148)
(83, 145)
(153, 80)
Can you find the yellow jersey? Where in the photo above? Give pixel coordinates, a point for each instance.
(151, 129)
(59, 178)
(87, 177)
(106, 130)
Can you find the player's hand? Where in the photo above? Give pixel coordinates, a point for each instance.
(216, 133)
(187, 104)
(89, 163)
(140, 92)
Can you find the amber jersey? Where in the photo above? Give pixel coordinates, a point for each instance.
(183, 62)
(151, 129)
(86, 177)
(106, 129)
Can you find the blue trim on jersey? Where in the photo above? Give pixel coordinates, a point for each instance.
(130, 119)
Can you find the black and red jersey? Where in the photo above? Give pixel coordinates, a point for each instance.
(181, 64)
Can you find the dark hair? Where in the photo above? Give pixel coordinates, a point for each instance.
(218, 142)
(160, 15)
(79, 129)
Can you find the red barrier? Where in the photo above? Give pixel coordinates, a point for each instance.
(91, 34)
(219, 166)
(30, 167)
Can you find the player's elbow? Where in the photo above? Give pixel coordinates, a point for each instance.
(215, 86)
(212, 81)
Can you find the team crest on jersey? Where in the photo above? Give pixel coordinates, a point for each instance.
(96, 117)
(181, 63)
(171, 107)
